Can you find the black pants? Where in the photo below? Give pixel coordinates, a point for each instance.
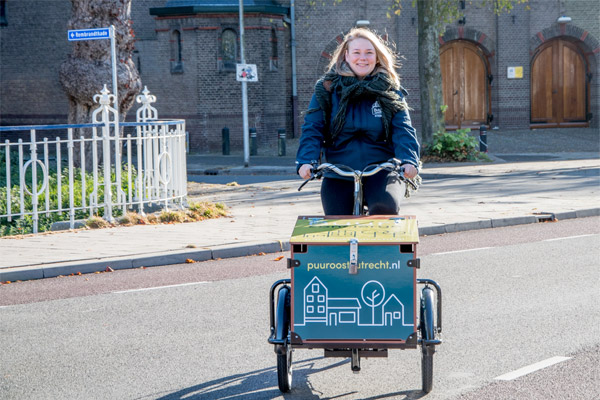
(382, 194)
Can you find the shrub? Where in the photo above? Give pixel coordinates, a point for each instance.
(171, 216)
(96, 222)
(454, 146)
(132, 218)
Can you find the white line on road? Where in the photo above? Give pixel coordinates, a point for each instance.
(531, 368)
(161, 287)
(461, 251)
(569, 237)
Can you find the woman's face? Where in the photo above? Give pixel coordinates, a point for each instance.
(361, 57)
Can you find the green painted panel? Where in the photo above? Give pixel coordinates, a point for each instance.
(376, 303)
(367, 229)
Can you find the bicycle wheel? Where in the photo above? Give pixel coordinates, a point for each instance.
(284, 370)
(427, 333)
(426, 371)
(284, 356)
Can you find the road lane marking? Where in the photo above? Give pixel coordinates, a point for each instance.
(570, 237)
(531, 368)
(461, 251)
(160, 287)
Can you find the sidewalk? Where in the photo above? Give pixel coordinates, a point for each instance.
(452, 198)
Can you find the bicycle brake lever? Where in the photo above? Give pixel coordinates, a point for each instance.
(411, 183)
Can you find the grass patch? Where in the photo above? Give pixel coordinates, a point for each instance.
(97, 222)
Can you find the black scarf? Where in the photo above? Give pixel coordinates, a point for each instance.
(378, 86)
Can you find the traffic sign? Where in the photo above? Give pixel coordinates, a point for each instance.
(246, 73)
(88, 34)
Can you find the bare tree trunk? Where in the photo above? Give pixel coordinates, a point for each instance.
(88, 68)
(430, 75)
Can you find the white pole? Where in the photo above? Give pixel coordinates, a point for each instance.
(244, 91)
(113, 56)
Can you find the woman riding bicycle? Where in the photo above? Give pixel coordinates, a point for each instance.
(359, 116)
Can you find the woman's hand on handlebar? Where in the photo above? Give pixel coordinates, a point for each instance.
(305, 171)
(410, 171)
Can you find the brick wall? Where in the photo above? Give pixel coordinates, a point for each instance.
(513, 31)
(34, 44)
(30, 56)
(209, 97)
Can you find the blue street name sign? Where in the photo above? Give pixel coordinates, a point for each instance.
(89, 34)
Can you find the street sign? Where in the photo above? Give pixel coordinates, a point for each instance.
(88, 34)
(96, 34)
(246, 73)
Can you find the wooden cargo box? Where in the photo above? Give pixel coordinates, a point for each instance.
(332, 305)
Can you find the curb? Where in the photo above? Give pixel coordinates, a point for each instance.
(42, 271)
(253, 248)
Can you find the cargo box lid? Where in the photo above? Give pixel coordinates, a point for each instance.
(367, 229)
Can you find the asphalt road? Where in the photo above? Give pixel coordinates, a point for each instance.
(513, 297)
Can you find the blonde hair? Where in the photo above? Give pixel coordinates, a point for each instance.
(386, 59)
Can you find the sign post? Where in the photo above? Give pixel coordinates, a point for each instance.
(244, 91)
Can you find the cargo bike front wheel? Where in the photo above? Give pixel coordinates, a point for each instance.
(429, 328)
(280, 332)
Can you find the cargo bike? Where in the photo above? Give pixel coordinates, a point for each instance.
(353, 287)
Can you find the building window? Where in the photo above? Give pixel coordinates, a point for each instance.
(348, 317)
(228, 50)
(310, 309)
(310, 299)
(315, 288)
(396, 314)
(3, 20)
(321, 299)
(321, 309)
(176, 57)
(137, 61)
(274, 60)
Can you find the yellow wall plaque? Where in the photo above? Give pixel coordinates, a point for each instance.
(372, 229)
(514, 73)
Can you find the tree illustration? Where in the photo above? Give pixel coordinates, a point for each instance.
(373, 294)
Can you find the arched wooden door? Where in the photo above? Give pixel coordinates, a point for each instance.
(465, 84)
(559, 90)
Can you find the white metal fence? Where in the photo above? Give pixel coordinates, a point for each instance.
(49, 171)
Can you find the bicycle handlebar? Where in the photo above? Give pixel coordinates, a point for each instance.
(392, 165)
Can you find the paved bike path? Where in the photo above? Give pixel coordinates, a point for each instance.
(452, 198)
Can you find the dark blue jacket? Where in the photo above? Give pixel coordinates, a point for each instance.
(362, 140)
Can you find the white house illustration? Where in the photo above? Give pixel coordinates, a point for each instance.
(393, 310)
(320, 308)
(315, 301)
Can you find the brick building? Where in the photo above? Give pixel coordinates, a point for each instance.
(517, 70)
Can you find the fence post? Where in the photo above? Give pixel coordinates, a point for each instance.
(146, 112)
(105, 99)
(143, 114)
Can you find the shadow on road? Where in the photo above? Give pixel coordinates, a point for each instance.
(262, 384)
